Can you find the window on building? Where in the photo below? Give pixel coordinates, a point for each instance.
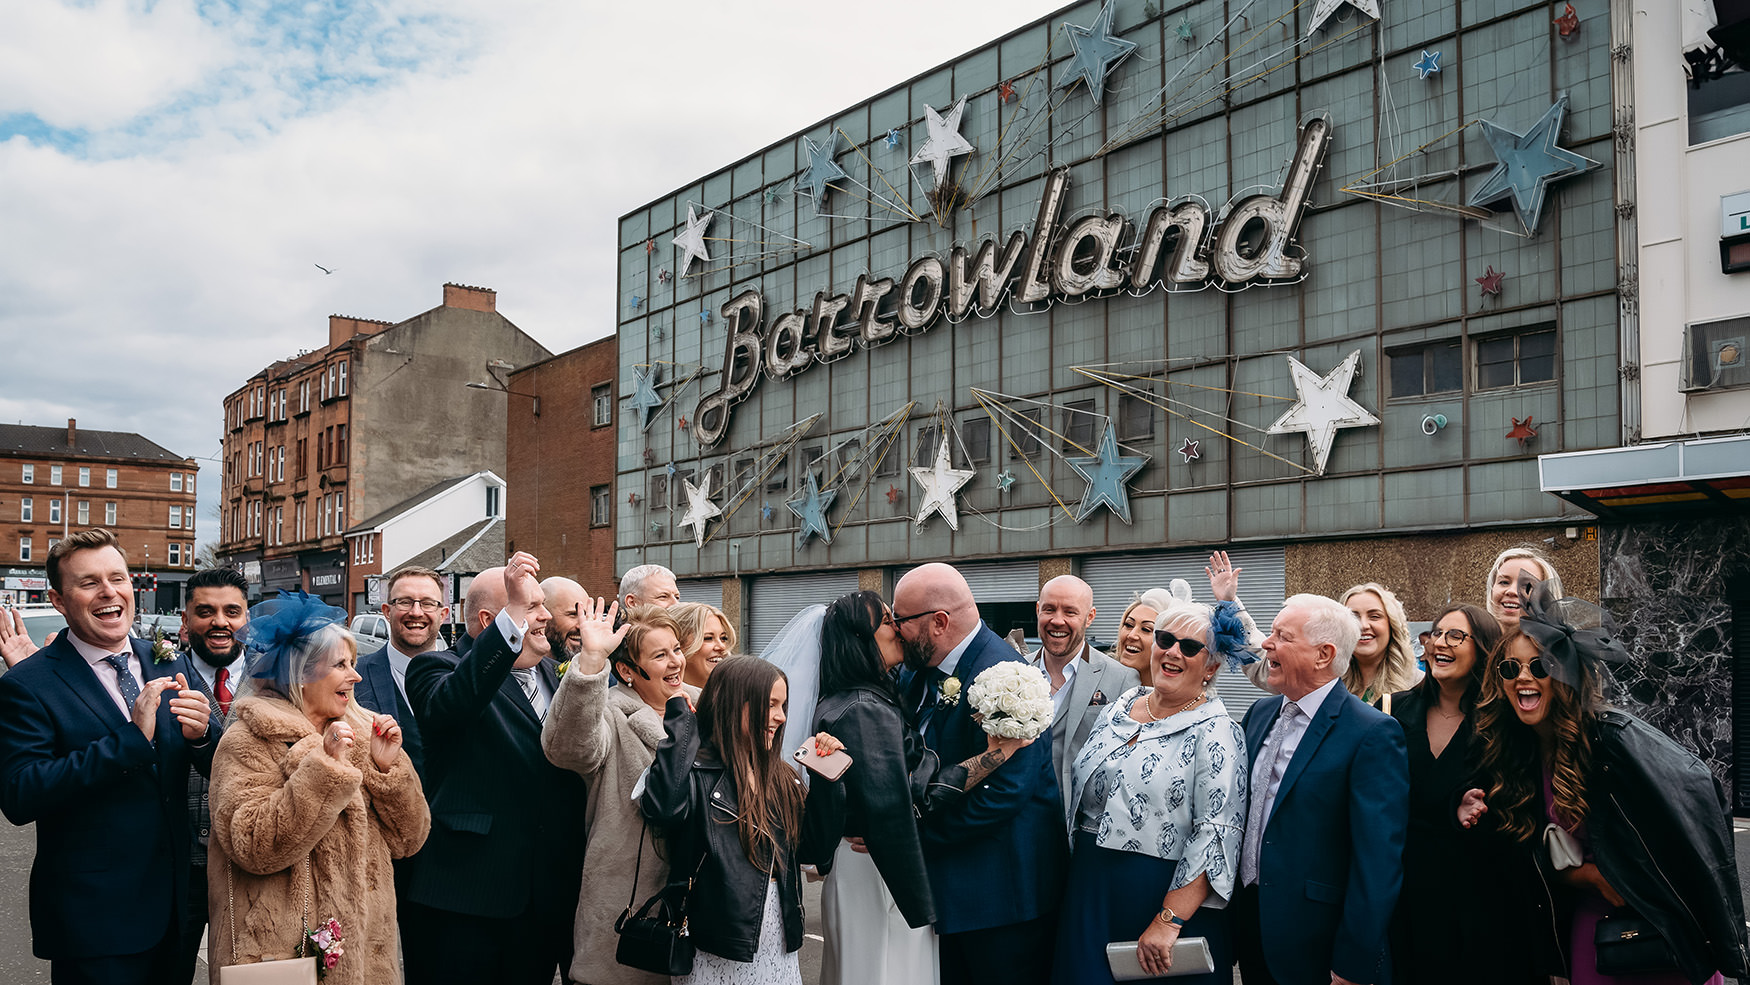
(280, 465)
(342, 390)
(601, 398)
(188, 554)
(811, 463)
(279, 524)
(29, 475)
(778, 479)
(1078, 427)
(326, 376)
(109, 514)
(491, 500)
(188, 518)
(1435, 367)
(176, 518)
(299, 525)
(85, 475)
(84, 516)
(24, 548)
(176, 482)
(304, 397)
(26, 507)
(1136, 418)
(54, 511)
(109, 478)
(744, 472)
(188, 484)
(719, 483)
(1028, 432)
(976, 434)
(322, 515)
(1526, 356)
(925, 456)
(601, 505)
(299, 464)
(889, 455)
(175, 550)
(340, 443)
(339, 512)
(54, 475)
(53, 541)
(659, 492)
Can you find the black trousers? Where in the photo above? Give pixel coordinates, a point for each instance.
(1249, 937)
(439, 947)
(189, 947)
(155, 967)
(1013, 954)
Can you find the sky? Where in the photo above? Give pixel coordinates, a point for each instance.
(172, 172)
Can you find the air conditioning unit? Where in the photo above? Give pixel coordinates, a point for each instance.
(1716, 355)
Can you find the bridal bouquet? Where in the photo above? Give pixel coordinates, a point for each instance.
(1012, 700)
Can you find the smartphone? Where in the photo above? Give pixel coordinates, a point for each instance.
(829, 767)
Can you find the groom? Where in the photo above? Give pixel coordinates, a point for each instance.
(997, 856)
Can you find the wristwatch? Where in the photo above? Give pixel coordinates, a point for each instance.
(1169, 917)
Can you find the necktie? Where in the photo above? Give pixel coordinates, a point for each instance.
(1267, 770)
(125, 677)
(222, 690)
(932, 693)
(526, 677)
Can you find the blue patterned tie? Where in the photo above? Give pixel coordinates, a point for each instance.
(125, 678)
(933, 678)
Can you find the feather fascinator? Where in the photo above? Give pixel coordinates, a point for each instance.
(280, 628)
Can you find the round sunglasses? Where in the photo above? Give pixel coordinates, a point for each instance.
(1187, 647)
(1509, 668)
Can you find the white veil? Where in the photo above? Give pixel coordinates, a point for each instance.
(796, 652)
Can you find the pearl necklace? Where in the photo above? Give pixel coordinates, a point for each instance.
(1148, 705)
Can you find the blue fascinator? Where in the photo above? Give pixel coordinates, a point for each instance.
(280, 628)
(1228, 631)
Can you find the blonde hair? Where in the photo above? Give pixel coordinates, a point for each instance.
(306, 667)
(1522, 552)
(690, 617)
(1158, 599)
(1397, 666)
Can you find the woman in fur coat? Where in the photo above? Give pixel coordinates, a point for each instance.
(311, 797)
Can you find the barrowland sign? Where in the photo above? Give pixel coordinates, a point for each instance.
(1178, 248)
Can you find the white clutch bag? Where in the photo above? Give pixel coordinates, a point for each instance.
(1564, 849)
(291, 971)
(1190, 957)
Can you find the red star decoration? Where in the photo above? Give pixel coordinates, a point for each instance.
(893, 494)
(682, 423)
(1568, 24)
(631, 499)
(649, 246)
(1491, 281)
(1006, 92)
(1522, 430)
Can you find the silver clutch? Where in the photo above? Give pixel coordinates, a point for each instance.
(1190, 957)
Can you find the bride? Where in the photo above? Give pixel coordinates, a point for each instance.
(861, 830)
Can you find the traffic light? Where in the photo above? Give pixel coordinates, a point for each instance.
(145, 583)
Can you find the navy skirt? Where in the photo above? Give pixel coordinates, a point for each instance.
(1112, 896)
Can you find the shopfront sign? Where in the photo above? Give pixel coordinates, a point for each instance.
(1180, 246)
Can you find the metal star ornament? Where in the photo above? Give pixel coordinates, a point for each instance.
(1491, 281)
(700, 509)
(1323, 407)
(645, 399)
(821, 169)
(1005, 480)
(1568, 24)
(1527, 163)
(893, 139)
(944, 143)
(765, 511)
(1522, 430)
(1106, 473)
(692, 240)
(940, 481)
(810, 508)
(1323, 9)
(1430, 63)
(1191, 450)
(1096, 52)
(893, 495)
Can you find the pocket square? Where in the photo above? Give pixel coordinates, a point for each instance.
(1099, 698)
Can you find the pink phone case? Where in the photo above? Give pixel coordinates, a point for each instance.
(830, 767)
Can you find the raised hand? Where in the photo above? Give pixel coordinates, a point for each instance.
(599, 637)
(337, 741)
(385, 742)
(191, 708)
(1471, 808)
(15, 643)
(1224, 578)
(520, 585)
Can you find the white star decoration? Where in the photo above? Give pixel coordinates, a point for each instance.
(699, 509)
(1323, 9)
(940, 483)
(692, 240)
(945, 142)
(1323, 407)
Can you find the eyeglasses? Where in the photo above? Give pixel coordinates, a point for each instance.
(1509, 668)
(902, 620)
(1187, 647)
(1454, 636)
(423, 605)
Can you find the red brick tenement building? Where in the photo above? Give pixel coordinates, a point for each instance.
(560, 453)
(317, 442)
(56, 481)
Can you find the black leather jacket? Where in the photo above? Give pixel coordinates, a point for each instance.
(691, 798)
(893, 781)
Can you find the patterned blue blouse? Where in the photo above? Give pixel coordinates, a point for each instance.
(1178, 792)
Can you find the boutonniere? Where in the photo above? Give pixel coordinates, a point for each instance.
(163, 650)
(950, 692)
(563, 668)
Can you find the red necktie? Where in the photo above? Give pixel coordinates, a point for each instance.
(222, 691)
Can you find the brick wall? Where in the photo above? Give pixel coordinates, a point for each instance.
(142, 497)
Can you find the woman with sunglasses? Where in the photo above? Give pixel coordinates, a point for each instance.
(1627, 830)
(1435, 930)
(1160, 809)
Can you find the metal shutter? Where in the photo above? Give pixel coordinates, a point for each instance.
(1116, 580)
(706, 590)
(777, 599)
(1003, 581)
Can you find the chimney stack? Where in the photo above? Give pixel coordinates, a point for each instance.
(471, 298)
(343, 327)
(72, 431)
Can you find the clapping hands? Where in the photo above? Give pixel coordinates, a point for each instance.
(190, 707)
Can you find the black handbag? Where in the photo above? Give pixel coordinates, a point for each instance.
(1627, 943)
(655, 938)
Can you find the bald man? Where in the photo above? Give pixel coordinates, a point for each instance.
(1084, 681)
(996, 857)
(491, 895)
(564, 599)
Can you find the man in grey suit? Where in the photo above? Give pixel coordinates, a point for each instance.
(1084, 681)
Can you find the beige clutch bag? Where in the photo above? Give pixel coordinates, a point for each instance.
(291, 971)
(1190, 957)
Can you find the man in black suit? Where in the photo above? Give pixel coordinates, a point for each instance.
(414, 610)
(97, 733)
(997, 857)
(493, 892)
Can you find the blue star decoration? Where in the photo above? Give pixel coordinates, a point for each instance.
(821, 169)
(1005, 479)
(1429, 64)
(1096, 52)
(765, 511)
(892, 139)
(810, 508)
(1527, 163)
(645, 399)
(1106, 473)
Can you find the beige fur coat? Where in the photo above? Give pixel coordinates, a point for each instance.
(275, 799)
(608, 735)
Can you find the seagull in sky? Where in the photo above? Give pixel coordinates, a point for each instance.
(324, 269)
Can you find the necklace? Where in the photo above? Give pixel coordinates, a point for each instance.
(1148, 704)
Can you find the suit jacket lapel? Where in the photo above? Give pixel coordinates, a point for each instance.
(514, 688)
(1082, 688)
(83, 681)
(1322, 719)
(1260, 725)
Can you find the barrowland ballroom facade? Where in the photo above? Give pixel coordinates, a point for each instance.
(1303, 282)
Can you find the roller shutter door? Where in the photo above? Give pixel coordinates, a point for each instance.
(1002, 581)
(777, 599)
(1116, 580)
(706, 590)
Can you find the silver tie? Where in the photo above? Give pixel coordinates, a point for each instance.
(526, 677)
(1267, 770)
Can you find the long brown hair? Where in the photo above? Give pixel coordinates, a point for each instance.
(732, 722)
(1485, 635)
(1513, 783)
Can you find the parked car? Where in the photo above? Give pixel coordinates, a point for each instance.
(41, 619)
(371, 629)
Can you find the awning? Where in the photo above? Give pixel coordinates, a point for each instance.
(1705, 475)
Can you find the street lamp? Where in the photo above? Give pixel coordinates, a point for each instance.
(504, 389)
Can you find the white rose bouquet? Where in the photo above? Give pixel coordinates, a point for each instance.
(1012, 700)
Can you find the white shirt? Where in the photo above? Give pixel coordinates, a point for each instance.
(398, 662)
(209, 673)
(1059, 696)
(105, 671)
(952, 660)
(1296, 730)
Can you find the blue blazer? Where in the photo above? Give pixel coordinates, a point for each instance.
(112, 834)
(998, 855)
(1332, 858)
(377, 692)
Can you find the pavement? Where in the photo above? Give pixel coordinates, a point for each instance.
(19, 967)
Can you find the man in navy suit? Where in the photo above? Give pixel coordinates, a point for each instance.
(96, 738)
(997, 857)
(414, 610)
(1322, 859)
(492, 895)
